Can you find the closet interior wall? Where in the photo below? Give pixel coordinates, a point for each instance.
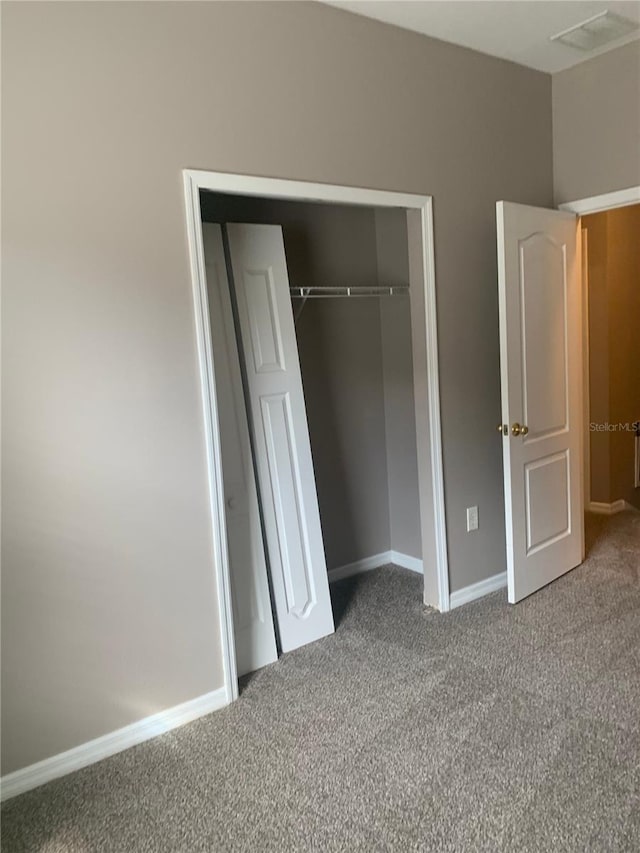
(356, 363)
(397, 365)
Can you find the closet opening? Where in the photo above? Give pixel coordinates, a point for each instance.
(315, 315)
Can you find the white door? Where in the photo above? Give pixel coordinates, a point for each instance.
(281, 438)
(255, 641)
(541, 375)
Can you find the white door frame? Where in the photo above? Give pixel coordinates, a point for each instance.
(234, 184)
(584, 207)
(607, 201)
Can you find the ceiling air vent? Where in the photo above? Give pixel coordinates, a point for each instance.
(596, 31)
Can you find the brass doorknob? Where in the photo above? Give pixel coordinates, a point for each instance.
(516, 429)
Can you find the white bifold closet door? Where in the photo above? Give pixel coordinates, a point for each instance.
(252, 618)
(281, 437)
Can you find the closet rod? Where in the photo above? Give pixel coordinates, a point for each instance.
(331, 292)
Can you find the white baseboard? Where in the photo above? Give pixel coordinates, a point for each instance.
(364, 565)
(374, 562)
(477, 590)
(413, 564)
(102, 747)
(608, 509)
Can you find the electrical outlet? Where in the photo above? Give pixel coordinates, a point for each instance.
(472, 518)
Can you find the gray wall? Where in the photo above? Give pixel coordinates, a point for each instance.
(109, 604)
(341, 359)
(596, 125)
(340, 348)
(399, 405)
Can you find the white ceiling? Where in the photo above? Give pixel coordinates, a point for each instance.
(518, 30)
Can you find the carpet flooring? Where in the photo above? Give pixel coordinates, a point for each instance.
(493, 728)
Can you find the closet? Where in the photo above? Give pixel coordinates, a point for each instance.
(311, 336)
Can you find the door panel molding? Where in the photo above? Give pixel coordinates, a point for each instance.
(532, 330)
(540, 469)
(268, 355)
(283, 464)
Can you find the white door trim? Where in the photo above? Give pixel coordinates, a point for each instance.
(607, 201)
(586, 392)
(212, 438)
(584, 207)
(196, 180)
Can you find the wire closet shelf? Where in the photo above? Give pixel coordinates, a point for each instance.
(358, 292)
